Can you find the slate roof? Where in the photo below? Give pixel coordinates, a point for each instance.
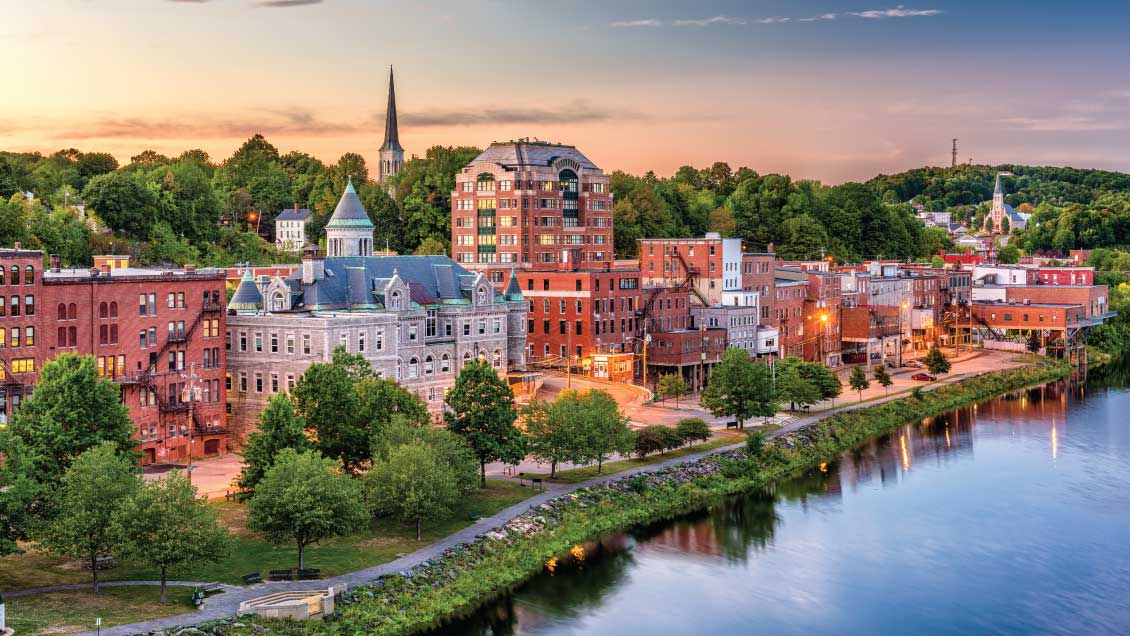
(513, 288)
(247, 296)
(514, 154)
(358, 282)
(290, 214)
(349, 212)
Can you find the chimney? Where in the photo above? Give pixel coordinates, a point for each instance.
(105, 268)
(19, 245)
(296, 206)
(313, 265)
(189, 268)
(769, 247)
(54, 262)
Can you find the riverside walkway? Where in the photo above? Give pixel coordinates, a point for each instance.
(225, 605)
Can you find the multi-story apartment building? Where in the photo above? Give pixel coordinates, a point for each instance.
(157, 333)
(534, 204)
(791, 289)
(575, 314)
(822, 316)
(417, 319)
(759, 276)
(712, 263)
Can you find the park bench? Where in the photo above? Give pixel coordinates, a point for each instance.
(309, 574)
(281, 575)
(537, 483)
(473, 516)
(213, 588)
(731, 424)
(252, 579)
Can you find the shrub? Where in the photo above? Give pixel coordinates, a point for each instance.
(650, 439)
(693, 429)
(754, 443)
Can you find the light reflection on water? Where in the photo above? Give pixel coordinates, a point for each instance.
(1010, 517)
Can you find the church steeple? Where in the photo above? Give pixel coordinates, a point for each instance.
(392, 153)
(392, 134)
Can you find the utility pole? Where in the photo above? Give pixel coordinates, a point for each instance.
(702, 360)
(953, 160)
(191, 395)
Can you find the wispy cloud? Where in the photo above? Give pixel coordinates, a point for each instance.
(274, 122)
(1065, 123)
(577, 112)
(870, 14)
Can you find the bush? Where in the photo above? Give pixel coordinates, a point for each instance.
(754, 443)
(693, 429)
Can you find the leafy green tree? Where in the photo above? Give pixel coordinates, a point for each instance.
(859, 381)
(882, 377)
(430, 246)
(549, 438)
(381, 400)
(1009, 254)
(166, 248)
(937, 362)
(481, 410)
(70, 411)
(795, 389)
(754, 443)
(123, 203)
(451, 450)
(413, 485)
(304, 498)
(327, 398)
(1033, 344)
(18, 494)
(280, 427)
(693, 429)
(802, 238)
(164, 525)
(740, 388)
(827, 384)
(648, 440)
(672, 384)
(602, 428)
(92, 490)
(937, 262)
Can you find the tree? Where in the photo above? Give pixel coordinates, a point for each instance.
(326, 396)
(795, 389)
(481, 410)
(754, 443)
(18, 493)
(739, 388)
(122, 202)
(882, 377)
(802, 238)
(165, 525)
(936, 362)
(304, 498)
(550, 439)
(1006, 225)
(430, 246)
(859, 381)
(672, 384)
(649, 439)
(1009, 254)
(413, 485)
(90, 493)
(70, 411)
(937, 262)
(693, 429)
(1033, 344)
(602, 428)
(280, 427)
(451, 450)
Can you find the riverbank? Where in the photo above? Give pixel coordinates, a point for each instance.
(466, 576)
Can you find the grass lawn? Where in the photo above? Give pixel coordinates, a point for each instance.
(74, 611)
(576, 475)
(382, 542)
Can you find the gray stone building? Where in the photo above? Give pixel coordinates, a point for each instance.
(417, 319)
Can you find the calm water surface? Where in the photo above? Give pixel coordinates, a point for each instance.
(1011, 517)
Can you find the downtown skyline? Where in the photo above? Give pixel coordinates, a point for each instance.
(830, 90)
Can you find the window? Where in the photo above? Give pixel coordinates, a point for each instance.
(29, 275)
(498, 325)
(180, 300)
(290, 343)
(61, 312)
(15, 274)
(274, 383)
(103, 310)
(274, 343)
(113, 308)
(242, 340)
(258, 382)
(444, 364)
(29, 336)
(467, 328)
(306, 344)
(29, 306)
(152, 304)
(414, 368)
(497, 358)
(15, 306)
(412, 333)
(429, 365)
(482, 326)
(172, 300)
(361, 342)
(142, 307)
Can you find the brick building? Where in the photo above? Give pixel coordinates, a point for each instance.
(712, 263)
(533, 204)
(822, 313)
(791, 288)
(157, 333)
(575, 314)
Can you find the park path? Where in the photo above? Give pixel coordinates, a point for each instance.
(226, 605)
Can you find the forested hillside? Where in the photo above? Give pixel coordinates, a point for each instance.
(190, 208)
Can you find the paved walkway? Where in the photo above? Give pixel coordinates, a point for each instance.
(225, 605)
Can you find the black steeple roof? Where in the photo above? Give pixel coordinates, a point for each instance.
(392, 135)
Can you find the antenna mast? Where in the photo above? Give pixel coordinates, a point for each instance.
(953, 160)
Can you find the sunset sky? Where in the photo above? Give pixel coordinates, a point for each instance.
(834, 90)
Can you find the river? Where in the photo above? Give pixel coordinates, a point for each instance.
(1008, 517)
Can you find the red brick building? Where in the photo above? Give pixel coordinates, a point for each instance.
(789, 311)
(157, 333)
(1047, 275)
(822, 306)
(533, 204)
(578, 313)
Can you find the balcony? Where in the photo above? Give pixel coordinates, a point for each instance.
(212, 307)
(178, 336)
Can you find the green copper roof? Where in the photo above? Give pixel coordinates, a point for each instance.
(349, 212)
(247, 296)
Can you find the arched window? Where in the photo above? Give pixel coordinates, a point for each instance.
(466, 358)
(568, 180)
(278, 303)
(103, 310)
(396, 300)
(485, 182)
(545, 306)
(114, 309)
(72, 312)
(61, 339)
(29, 275)
(2, 275)
(444, 364)
(62, 312)
(15, 274)
(429, 365)
(414, 368)
(497, 358)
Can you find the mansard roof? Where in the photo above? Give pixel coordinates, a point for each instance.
(522, 153)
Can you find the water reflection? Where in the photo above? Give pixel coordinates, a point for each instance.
(1008, 517)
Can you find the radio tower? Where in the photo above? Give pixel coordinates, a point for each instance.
(953, 161)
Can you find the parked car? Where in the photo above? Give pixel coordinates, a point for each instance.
(924, 377)
(914, 364)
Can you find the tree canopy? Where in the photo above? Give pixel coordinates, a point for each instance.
(740, 388)
(481, 410)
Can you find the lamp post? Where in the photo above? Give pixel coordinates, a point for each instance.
(820, 340)
(190, 394)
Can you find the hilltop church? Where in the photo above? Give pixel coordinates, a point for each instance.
(1001, 210)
